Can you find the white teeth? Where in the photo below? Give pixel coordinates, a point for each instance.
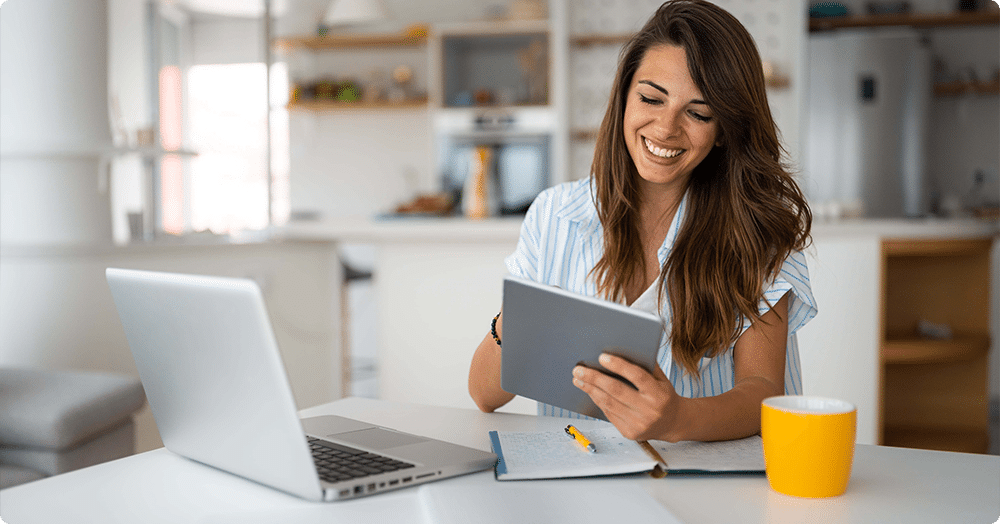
(662, 153)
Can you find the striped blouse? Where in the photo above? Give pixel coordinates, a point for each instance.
(562, 239)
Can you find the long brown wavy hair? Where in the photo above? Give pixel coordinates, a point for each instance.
(745, 212)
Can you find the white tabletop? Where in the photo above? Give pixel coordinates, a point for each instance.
(887, 484)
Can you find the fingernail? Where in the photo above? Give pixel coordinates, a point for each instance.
(577, 372)
(605, 358)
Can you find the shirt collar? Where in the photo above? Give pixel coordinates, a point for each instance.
(675, 227)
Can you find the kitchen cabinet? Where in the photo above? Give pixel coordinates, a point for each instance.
(934, 385)
(484, 64)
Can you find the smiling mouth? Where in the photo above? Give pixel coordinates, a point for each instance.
(660, 152)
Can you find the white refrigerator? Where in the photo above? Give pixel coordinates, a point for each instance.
(868, 104)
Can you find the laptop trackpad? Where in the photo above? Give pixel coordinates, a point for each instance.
(377, 438)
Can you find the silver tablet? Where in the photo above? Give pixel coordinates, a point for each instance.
(547, 331)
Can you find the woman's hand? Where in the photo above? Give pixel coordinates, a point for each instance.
(651, 412)
(656, 411)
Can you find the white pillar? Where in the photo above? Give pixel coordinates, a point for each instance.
(53, 122)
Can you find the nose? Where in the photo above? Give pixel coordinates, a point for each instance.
(669, 121)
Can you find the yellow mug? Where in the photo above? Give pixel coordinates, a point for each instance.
(808, 444)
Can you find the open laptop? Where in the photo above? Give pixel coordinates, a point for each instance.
(217, 387)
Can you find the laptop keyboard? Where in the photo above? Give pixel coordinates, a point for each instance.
(336, 462)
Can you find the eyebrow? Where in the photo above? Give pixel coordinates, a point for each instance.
(664, 91)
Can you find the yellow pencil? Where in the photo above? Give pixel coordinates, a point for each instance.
(577, 436)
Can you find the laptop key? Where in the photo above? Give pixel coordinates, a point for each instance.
(336, 462)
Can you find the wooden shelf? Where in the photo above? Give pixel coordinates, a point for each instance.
(915, 350)
(337, 105)
(933, 392)
(589, 40)
(964, 440)
(967, 88)
(352, 41)
(151, 151)
(963, 246)
(923, 20)
(492, 28)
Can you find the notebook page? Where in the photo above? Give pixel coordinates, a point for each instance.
(553, 454)
(731, 455)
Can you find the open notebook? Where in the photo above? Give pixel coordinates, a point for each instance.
(551, 454)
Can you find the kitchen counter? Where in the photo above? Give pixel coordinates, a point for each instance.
(438, 282)
(405, 229)
(507, 229)
(903, 228)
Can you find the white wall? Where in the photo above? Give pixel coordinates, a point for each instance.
(219, 40)
(965, 130)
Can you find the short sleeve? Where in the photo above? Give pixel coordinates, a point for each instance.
(523, 262)
(793, 277)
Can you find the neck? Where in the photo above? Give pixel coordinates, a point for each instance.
(656, 210)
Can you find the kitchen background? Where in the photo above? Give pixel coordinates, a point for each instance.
(148, 135)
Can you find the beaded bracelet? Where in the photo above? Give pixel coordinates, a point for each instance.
(493, 330)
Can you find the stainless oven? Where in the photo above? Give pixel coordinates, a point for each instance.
(518, 166)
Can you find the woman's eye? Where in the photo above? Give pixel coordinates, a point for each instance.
(647, 100)
(700, 117)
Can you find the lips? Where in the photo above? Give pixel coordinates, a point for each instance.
(659, 151)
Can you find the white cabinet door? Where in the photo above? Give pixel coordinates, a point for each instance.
(840, 347)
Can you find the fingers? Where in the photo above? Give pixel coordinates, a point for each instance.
(638, 376)
(638, 414)
(615, 399)
(610, 394)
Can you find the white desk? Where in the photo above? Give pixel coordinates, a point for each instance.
(887, 485)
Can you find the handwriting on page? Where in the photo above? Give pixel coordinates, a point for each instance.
(732, 455)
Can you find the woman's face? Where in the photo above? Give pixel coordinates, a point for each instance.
(669, 129)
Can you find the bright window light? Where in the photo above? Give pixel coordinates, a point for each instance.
(228, 129)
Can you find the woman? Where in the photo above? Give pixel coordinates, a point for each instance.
(689, 213)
